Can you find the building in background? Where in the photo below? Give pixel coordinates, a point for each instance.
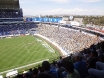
(80, 20)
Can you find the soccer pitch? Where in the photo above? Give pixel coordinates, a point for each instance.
(19, 51)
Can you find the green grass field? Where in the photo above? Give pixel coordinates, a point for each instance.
(23, 50)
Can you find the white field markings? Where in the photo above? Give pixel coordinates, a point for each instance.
(46, 45)
(23, 66)
(25, 47)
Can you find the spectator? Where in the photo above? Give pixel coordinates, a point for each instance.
(101, 58)
(30, 73)
(35, 73)
(72, 73)
(95, 73)
(48, 70)
(92, 59)
(53, 65)
(60, 60)
(44, 75)
(19, 76)
(60, 69)
(40, 69)
(80, 65)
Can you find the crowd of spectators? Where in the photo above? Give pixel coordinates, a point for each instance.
(68, 39)
(5, 13)
(16, 28)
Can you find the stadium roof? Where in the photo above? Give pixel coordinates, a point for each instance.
(9, 4)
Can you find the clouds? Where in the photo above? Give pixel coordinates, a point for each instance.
(67, 11)
(77, 11)
(89, 1)
(43, 7)
(60, 10)
(59, 1)
(27, 1)
(53, 1)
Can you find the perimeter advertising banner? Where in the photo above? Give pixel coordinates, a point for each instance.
(35, 19)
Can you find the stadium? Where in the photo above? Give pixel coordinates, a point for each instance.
(26, 43)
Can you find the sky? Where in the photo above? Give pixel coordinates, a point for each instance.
(71, 7)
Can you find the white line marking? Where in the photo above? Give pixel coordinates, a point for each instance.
(25, 47)
(24, 66)
(46, 45)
